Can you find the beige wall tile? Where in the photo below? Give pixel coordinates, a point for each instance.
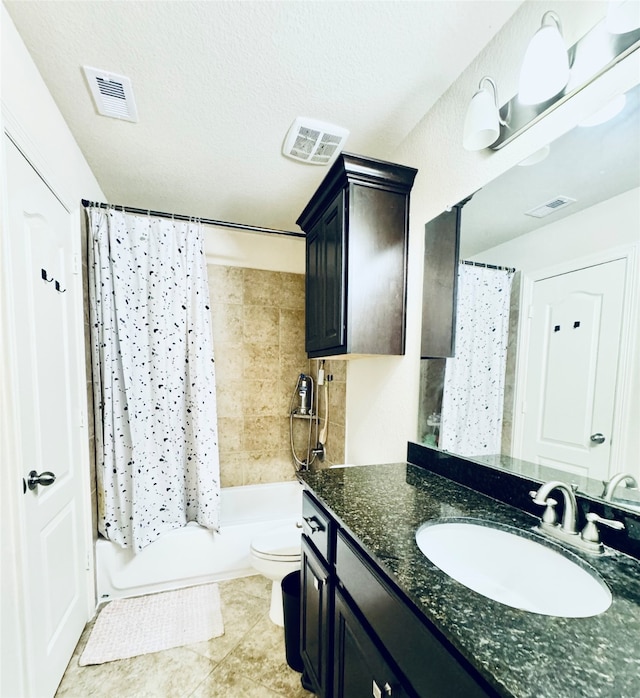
(227, 321)
(229, 399)
(230, 431)
(291, 328)
(225, 284)
(261, 361)
(261, 433)
(293, 293)
(337, 400)
(262, 288)
(232, 469)
(259, 398)
(229, 362)
(268, 466)
(260, 325)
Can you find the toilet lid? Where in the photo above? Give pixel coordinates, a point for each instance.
(283, 541)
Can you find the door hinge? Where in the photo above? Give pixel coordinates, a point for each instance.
(76, 263)
(88, 561)
(82, 424)
(530, 313)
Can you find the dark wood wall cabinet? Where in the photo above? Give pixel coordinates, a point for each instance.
(356, 227)
(360, 635)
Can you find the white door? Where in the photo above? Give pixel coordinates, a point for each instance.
(572, 369)
(49, 413)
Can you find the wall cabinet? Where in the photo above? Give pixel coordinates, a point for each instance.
(356, 258)
(360, 635)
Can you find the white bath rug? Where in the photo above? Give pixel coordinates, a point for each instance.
(145, 624)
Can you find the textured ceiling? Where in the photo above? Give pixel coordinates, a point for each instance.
(217, 85)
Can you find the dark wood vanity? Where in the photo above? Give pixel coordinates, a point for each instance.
(379, 619)
(361, 635)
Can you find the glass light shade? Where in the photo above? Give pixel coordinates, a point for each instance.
(623, 16)
(482, 123)
(545, 69)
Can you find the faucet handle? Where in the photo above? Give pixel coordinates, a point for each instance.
(549, 516)
(591, 534)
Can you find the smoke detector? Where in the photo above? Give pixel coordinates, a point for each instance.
(314, 142)
(112, 94)
(550, 206)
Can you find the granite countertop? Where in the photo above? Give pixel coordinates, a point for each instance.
(521, 654)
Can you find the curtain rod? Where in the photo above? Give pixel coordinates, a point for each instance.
(206, 221)
(488, 266)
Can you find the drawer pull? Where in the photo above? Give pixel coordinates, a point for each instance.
(377, 691)
(314, 524)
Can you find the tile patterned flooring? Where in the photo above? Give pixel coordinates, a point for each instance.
(248, 661)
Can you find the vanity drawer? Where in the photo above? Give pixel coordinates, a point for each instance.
(430, 665)
(317, 526)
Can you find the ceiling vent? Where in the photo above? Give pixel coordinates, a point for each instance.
(551, 206)
(314, 142)
(112, 94)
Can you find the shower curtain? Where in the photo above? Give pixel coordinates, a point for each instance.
(153, 376)
(472, 403)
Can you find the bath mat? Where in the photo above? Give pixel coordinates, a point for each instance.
(130, 627)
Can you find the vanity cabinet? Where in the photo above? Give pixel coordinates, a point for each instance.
(361, 636)
(356, 258)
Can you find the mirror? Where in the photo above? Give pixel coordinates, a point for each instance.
(591, 165)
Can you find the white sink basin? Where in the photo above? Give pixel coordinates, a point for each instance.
(513, 570)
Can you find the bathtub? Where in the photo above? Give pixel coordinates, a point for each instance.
(195, 555)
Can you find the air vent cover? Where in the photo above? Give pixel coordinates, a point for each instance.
(112, 94)
(550, 206)
(314, 142)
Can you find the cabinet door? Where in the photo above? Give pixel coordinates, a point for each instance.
(325, 285)
(315, 632)
(359, 667)
(440, 284)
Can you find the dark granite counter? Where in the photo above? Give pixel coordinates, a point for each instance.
(519, 653)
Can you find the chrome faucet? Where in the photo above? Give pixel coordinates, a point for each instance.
(619, 478)
(567, 531)
(569, 525)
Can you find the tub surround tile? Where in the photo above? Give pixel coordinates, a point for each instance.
(230, 434)
(232, 468)
(261, 433)
(225, 283)
(291, 328)
(262, 287)
(522, 655)
(227, 323)
(260, 325)
(260, 361)
(293, 291)
(229, 362)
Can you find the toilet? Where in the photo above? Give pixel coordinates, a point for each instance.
(274, 554)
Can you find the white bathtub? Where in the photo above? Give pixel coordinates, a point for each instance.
(195, 555)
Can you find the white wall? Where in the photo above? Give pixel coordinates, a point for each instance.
(254, 250)
(609, 224)
(382, 394)
(33, 121)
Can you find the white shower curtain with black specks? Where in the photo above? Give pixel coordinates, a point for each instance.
(473, 397)
(153, 376)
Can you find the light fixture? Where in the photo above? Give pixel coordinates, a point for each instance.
(545, 68)
(482, 123)
(612, 108)
(622, 16)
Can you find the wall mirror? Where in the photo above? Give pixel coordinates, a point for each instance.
(594, 167)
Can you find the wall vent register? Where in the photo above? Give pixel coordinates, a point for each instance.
(314, 142)
(550, 206)
(112, 94)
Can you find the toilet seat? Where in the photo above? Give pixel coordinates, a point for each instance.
(279, 544)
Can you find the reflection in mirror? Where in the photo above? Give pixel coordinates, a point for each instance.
(568, 221)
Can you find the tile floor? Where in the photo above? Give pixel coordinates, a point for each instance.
(248, 661)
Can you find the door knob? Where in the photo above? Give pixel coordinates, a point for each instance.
(598, 438)
(45, 479)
